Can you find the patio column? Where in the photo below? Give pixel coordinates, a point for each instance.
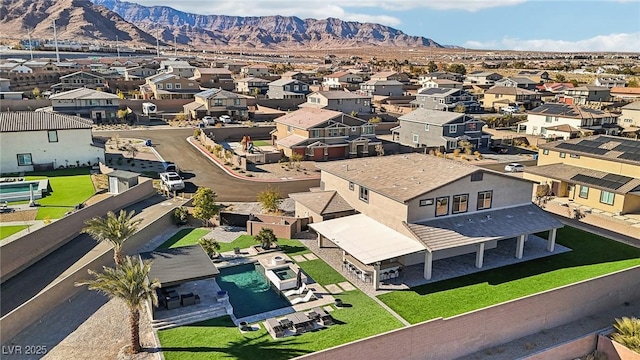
(520, 246)
(428, 264)
(376, 276)
(319, 240)
(480, 255)
(551, 243)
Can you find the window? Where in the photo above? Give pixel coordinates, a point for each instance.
(452, 144)
(442, 206)
(426, 202)
(545, 152)
(548, 119)
(169, 86)
(484, 200)
(364, 194)
(460, 204)
(453, 128)
(236, 102)
(53, 135)
(350, 186)
(606, 197)
(159, 86)
(584, 191)
(426, 126)
(315, 133)
(178, 86)
(354, 129)
(476, 176)
(217, 102)
(415, 138)
(574, 156)
(563, 155)
(288, 129)
(24, 160)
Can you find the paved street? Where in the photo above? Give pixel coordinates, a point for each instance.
(171, 144)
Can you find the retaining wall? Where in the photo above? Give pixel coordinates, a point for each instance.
(21, 253)
(569, 350)
(474, 331)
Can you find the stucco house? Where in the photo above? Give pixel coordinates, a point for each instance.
(252, 85)
(518, 81)
(32, 140)
(343, 101)
(288, 89)
(584, 95)
(439, 130)
(177, 67)
(98, 106)
(446, 100)
(79, 79)
(500, 96)
(584, 119)
(320, 134)
(416, 209)
(218, 102)
(630, 117)
(214, 78)
(390, 76)
(482, 78)
(599, 172)
(381, 88)
(168, 86)
(342, 80)
(255, 70)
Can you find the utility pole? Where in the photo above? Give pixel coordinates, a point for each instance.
(55, 41)
(175, 46)
(157, 44)
(30, 46)
(117, 47)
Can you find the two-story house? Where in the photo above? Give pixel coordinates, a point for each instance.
(500, 96)
(415, 210)
(168, 86)
(98, 106)
(440, 75)
(482, 78)
(599, 172)
(446, 100)
(255, 70)
(320, 135)
(381, 88)
(216, 102)
(252, 86)
(630, 117)
(79, 79)
(585, 95)
(341, 80)
(40, 139)
(538, 76)
(214, 78)
(390, 76)
(439, 130)
(177, 67)
(519, 82)
(343, 101)
(546, 119)
(610, 82)
(6, 93)
(625, 93)
(441, 83)
(139, 72)
(296, 75)
(288, 89)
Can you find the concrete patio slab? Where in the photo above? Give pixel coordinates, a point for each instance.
(347, 286)
(299, 258)
(310, 256)
(333, 288)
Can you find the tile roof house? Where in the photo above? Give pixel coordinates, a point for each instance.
(321, 205)
(585, 119)
(440, 75)
(168, 86)
(216, 102)
(630, 117)
(320, 134)
(40, 140)
(625, 93)
(99, 106)
(482, 78)
(500, 96)
(252, 86)
(214, 78)
(585, 95)
(518, 81)
(288, 89)
(255, 70)
(342, 80)
(343, 101)
(439, 130)
(598, 172)
(390, 76)
(416, 209)
(381, 88)
(610, 82)
(446, 100)
(79, 79)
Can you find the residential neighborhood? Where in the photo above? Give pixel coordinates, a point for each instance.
(191, 193)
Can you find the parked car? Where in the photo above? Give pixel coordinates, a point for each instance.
(509, 109)
(225, 119)
(209, 120)
(170, 167)
(514, 167)
(172, 181)
(500, 149)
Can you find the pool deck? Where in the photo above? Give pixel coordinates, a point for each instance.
(43, 185)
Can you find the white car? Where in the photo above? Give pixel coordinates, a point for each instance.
(514, 167)
(225, 119)
(208, 120)
(509, 110)
(172, 181)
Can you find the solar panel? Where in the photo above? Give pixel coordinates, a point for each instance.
(630, 156)
(610, 181)
(582, 148)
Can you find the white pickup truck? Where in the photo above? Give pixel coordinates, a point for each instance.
(172, 181)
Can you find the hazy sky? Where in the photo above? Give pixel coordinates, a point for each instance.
(562, 25)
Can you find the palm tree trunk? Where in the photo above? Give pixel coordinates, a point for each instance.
(117, 257)
(134, 328)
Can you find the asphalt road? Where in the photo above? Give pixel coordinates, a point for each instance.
(500, 166)
(172, 145)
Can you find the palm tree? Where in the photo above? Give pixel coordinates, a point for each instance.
(113, 229)
(266, 238)
(129, 283)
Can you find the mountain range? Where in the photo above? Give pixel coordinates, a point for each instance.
(105, 19)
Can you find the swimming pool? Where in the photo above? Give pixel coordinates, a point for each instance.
(250, 293)
(21, 190)
(285, 273)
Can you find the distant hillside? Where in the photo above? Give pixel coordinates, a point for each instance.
(260, 32)
(75, 20)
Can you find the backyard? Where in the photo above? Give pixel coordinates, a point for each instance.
(592, 256)
(220, 339)
(6, 231)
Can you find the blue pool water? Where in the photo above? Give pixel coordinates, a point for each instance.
(16, 187)
(250, 293)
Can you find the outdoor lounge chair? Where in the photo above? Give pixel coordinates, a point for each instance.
(308, 296)
(296, 291)
(236, 251)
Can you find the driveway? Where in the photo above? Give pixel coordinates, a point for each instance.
(171, 144)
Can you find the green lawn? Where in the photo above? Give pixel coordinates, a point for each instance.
(6, 231)
(220, 339)
(323, 274)
(261, 143)
(592, 256)
(184, 237)
(69, 187)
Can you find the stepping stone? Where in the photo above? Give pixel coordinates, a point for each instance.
(299, 258)
(606, 213)
(346, 286)
(333, 288)
(328, 308)
(311, 256)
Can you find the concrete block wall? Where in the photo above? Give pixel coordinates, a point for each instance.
(568, 351)
(19, 254)
(450, 338)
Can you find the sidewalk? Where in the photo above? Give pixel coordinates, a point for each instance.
(33, 225)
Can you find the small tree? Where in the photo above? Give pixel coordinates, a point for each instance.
(270, 199)
(375, 120)
(114, 229)
(633, 83)
(204, 205)
(266, 238)
(560, 78)
(210, 246)
(354, 113)
(196, 133)
(132, 150)
(432, 66)
(180, 215)
(228, 154)
(181, 116)
(380, 149)
(122, 113)
(217, 150)
(460, 109)
(296, 158)
(36, 92)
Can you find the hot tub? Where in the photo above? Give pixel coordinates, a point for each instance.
(284, 277)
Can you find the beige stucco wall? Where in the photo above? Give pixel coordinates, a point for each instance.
(611, 166)
(380, 208)
(629, 118)
(507, 191)
(303, 211)
(73, 145)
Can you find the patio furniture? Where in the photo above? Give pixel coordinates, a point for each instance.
(173, 302)
(307, 297)
(187, 299)
(296, 291)
(338, 302)
(243, 326)
(300, 321)
(196, 298)
(286, 323)
(236, 251)
(274, 328)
